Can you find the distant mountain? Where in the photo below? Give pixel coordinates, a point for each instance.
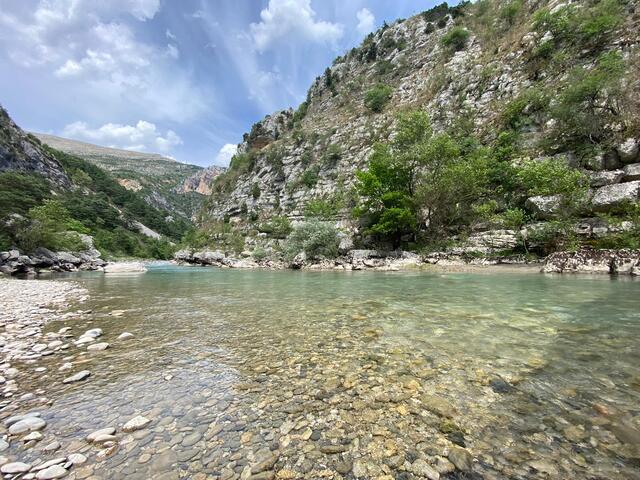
(202, 181)
(160, 180)
(49, 198)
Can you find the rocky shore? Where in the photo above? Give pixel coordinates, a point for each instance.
(27, 305)
(582, 261)
(14, 263)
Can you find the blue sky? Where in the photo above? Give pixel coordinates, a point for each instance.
(185, 78)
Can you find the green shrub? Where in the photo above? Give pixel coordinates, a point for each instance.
(255, 191)
(376, 98)
(456, 38)
(429, 29)
(259, 254)
(316, 239)
(324, 208)
(517, 111)
(20, 192)
(589, 102)
(309, 177)
(276, 227)
(331, 156)
(510, 11)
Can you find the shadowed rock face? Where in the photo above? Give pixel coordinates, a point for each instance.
(201, 181)
(23, 153)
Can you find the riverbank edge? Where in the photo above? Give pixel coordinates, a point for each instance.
(612, 262)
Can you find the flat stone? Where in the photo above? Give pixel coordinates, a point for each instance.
(125, 336)
(78, 377)
(28, 424)
(136, 423)
(631, 172)
(77, 458)
(16, 418)
(103, 431)
(96, 347)
(15, 467)
(191, 439)
(49, 463)
(55, 471)
(33, 436)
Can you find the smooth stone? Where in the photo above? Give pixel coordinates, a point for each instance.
(94, 332)
(103, 431)
(191, 439)
(3, 445)
(49, 463)
(15, 467)
(77, 458)
(16, 418)
(36, 436)
(96, 347)
(29, 424)
(55, 471)
(52, 447)
(136, 423)
(78, 377)
(104, 438)
(125, 336)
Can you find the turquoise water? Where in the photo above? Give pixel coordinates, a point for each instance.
(539, 374)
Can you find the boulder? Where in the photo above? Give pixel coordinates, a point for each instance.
(544, 207)
(607, 177)
(208, 257)
(593, 261)
(629, 150)
(298, 261)
(611, 196)
(125, 267)
(631, 172)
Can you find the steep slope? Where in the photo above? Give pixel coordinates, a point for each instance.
(19, 152)
(521, 79)
(51, 199)
(158, 179)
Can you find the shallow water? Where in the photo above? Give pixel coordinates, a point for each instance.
(539, 376)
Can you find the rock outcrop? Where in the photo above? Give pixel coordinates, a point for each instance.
(201, 181)
(22, 152)
(594, 261)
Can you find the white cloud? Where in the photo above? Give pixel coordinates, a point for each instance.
(225, 154)
(292, 18)
(173, 52)
(142, 136)
(366, 21)
(170, 35)
(92, 48)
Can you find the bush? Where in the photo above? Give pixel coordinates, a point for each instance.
(331, 156)
(456, 38)
(255, 191)
(309, 177)
(589, 103)
(259, 254)
(376, 98)
(316, 239)
(276, 227)
(511, 10)
(518, 110)
(323, 208)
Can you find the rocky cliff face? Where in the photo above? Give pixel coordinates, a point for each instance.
(201, 181)
(290, 159)
(22, 152)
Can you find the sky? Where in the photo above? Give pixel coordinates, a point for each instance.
(184, 78)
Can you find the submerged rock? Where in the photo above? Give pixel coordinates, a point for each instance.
(136, 423)
(78, 377)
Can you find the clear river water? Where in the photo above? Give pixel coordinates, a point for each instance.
(281, 374)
